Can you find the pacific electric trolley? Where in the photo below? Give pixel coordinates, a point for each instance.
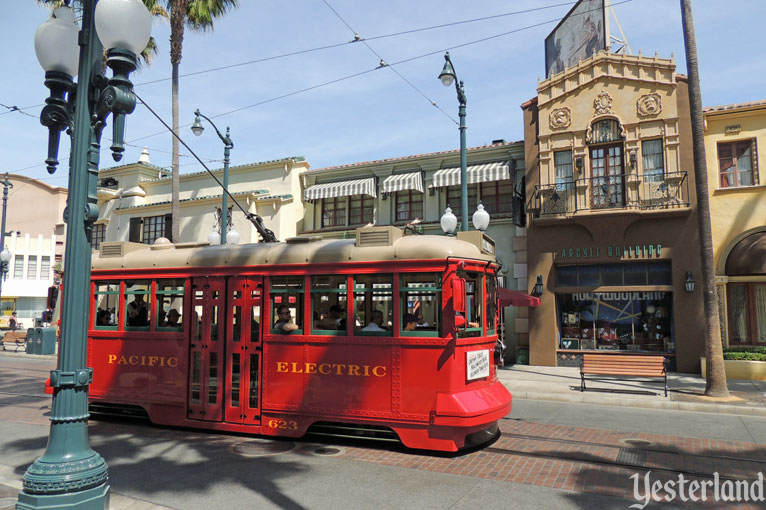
(385, 334)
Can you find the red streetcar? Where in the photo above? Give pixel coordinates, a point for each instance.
(385, 335)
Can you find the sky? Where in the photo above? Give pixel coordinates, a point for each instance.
(317, 105)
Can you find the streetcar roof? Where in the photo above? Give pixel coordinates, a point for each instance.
(127, 255)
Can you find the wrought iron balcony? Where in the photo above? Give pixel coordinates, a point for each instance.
(623, 191)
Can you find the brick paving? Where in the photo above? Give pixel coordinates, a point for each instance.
(583, 459)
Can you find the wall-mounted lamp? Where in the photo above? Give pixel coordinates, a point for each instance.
(632, 158)
(384, 196)
(431, 191)
(689, 283)
(537, 291)
(578, 164)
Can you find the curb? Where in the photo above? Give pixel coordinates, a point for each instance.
(646, 404)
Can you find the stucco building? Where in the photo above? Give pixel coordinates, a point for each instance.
(612, 226)
(36, 244)
(734, 139)
(135, 201)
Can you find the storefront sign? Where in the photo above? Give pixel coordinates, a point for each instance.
(639, 251)
(618, 296)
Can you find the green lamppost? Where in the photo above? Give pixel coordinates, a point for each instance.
(5, 255)
(448, 76)
(197, 128)
(70, 474)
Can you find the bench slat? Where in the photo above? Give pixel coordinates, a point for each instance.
(611, 364)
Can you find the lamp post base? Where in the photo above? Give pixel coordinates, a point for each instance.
(95, 498)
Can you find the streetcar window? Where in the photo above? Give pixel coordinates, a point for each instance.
(474, 304)
(329, 301)
(421, 297)
(107, 300)
(170, 305)
(287, 291)
(491, 302)
(138, 296)
(374, 304)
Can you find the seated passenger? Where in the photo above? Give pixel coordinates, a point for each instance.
(376, 321)
(336, 319)
(172, 319)
(283, 320)
(409, 322)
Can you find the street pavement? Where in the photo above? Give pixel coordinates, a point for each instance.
(559, 448)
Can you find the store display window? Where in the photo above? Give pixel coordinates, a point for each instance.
(623, 321)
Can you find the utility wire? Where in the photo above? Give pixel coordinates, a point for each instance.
(14, 108)
(384, 64)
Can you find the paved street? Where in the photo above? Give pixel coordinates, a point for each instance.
(550, 455)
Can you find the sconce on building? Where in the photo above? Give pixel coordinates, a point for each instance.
(689, 283)
(632, 156)
(537, 291)
(578, 164)
(384, 196)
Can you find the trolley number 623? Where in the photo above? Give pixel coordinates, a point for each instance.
(282, 424)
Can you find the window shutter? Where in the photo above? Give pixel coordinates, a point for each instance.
(134, 235)
(169, 227)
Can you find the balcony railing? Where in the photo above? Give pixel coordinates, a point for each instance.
(623, 191)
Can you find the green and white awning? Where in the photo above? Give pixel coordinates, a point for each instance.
(341, 189)
(401, 182)
(497, 171)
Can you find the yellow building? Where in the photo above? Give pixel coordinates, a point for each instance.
(734, 139)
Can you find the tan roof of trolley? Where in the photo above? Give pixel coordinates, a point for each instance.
(371, 244)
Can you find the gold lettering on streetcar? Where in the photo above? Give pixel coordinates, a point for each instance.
(142, 361)
(293, 367)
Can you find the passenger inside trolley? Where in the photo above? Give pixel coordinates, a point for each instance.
(284, 320)
(410, 322)
(376, 321)
(172, 319)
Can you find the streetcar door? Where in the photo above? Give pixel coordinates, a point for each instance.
(243, 350)
(207, 347)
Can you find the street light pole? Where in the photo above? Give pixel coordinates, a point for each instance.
(70, 474)
(5, 255)
(447, 76)
(197, 129)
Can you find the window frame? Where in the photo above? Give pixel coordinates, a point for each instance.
(493, 200)
(158, 294)
(149, 292)
(99, 235)
(152, 225)
(31, 267)
(410, 202)
(372, 291)
(273, 305)
(454, 198)
(403, 290)
(751, 318)
(117, 307)
(366, 203)
(18, 267)
(751, 142)
(655, 175)
(336, 201)
(336, 290)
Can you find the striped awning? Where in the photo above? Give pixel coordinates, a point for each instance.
(486, 172)
(399, 182)
(341, 189)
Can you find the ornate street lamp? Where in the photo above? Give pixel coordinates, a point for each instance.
(480, 218)
(70, 474)
(448, 76)
(448, 222)
(5, 255)
(197, 128)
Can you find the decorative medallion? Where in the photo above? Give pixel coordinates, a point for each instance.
(649, 105)
(560, 118)
(603, 103)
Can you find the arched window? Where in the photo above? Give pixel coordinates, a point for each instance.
(606, 130)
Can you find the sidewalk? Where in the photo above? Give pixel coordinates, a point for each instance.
(686, 391)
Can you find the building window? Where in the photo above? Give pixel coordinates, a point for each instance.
(613, 275)
(607, 130)
(32, 267)
(497, 196)
(455, 203)
(562, 161)
(362, 210)
(334, 212)
(747, 313)
(99, 234)
(153, 228)
(607, 177)
(409, 205)
(735, 163)
(45, 268)
(18, 267)
(653, 161)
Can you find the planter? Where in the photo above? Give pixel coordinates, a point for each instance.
(741, 369)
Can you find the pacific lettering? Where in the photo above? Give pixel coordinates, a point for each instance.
(142, 361)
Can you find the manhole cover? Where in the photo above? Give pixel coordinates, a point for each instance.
(261, 448)
(326, 450)
(636, 442)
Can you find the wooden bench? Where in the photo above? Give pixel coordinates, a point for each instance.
(615, 364)
(17, 339)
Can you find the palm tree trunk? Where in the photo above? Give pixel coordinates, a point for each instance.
(177, 19)
(715, 385)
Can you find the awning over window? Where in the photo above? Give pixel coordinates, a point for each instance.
(497, 171)
(399, 182)
(748, 257)
(341, 189)
(510, 297)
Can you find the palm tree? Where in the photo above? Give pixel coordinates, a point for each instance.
(715, 385)
(197, 15)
